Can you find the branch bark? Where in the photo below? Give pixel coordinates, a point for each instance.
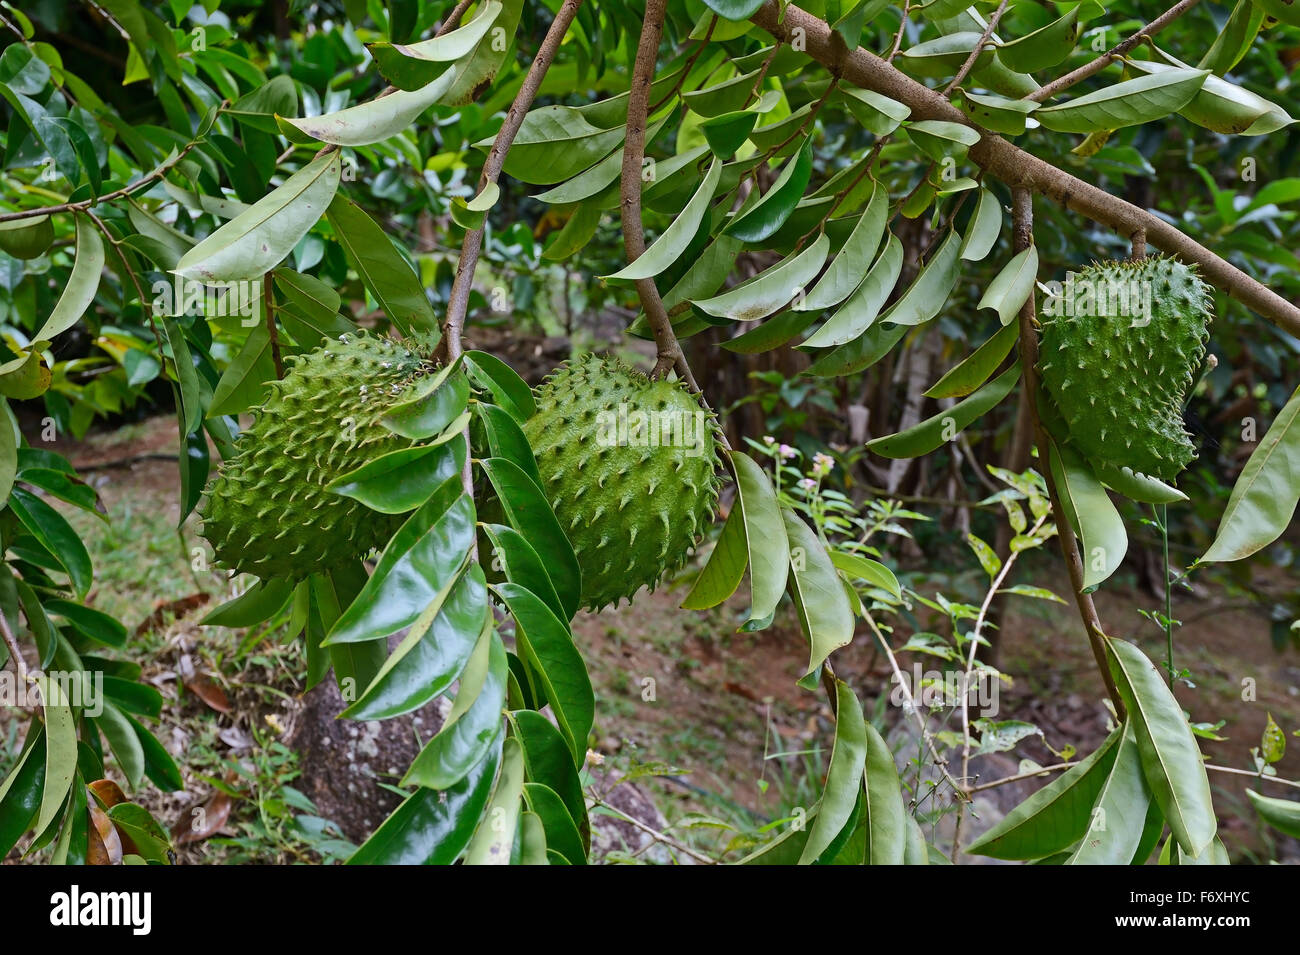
(638, 106)
(1023, 235)
(1017, 168)
(1120, 49)
(472, 246)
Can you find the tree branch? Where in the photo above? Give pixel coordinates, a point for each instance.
(1015, 167)
(1023, 226)
(1121, 49)
(638, 106)
(472, 246)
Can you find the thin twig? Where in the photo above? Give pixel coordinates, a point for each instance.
(15, 651)
(980, 618)
(638, 104)
(1260, 776)
(1014, 166)
(979, 48)
(1023, 226)
(1043, 94)
(1056, 768)
(268, 307)
(656, 834)
(453, 18)
(127, 190)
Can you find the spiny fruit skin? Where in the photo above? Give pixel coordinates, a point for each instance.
(268, 512)
(1120, 380)
(631, 502)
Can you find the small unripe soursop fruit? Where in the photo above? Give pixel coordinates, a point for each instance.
(630, 466)
(268, 512)
(1119, 351)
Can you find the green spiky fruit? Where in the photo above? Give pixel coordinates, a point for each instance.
(1120, 348)
(268, 512)
(630, 466)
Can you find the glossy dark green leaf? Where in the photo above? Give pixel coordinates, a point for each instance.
(505, 439)
(1056, 816)
(432, 654)
(159, 766)
(57, 536)
(767, 215)
(561, 834)
(20, 793)
(430, 406)
(844, 778)
(402, 480)
(549, 761)
(546, 643)
(530, 514)
(256, 605)
(123, 741)
(508, 390)
(433, 827)
(974, 370)
(473, 723)
(418, 562)
(1127, 103)
(520, 563)
(727, 133)
(1171, 760)
(734, 9)
(89, 622)
(785, 849)
(134, 697)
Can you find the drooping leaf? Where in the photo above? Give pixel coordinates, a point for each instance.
(1264, 498)
(382, 269)
(761, 220)
(1012, 286)
(375, 120)
(765, 535)
(79, 293)
(668, 248)
(946, 425)
(1102, 537)
(856, 315)
(1128, 103)
(1171, 760)
(1054, 817)
(255, 241)
(844, 778)
(819, 598)
(1119, 815)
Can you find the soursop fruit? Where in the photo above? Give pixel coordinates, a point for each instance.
(268, 511)
(630, 466)
(1120, 348)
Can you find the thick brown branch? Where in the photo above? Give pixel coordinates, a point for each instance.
(1023, 228)
(1015, 167)
(638, 105)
